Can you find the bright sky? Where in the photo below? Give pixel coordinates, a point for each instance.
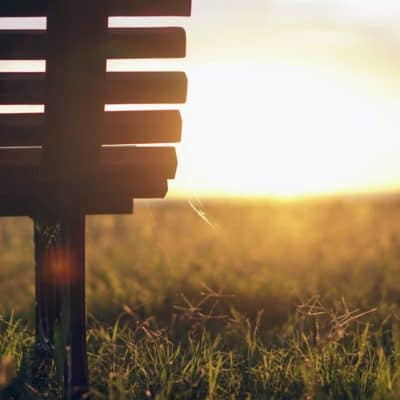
(292, 98)
(289, 97)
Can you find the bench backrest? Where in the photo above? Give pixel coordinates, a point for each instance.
(75, 154)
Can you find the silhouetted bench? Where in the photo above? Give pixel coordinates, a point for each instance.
(76, 159)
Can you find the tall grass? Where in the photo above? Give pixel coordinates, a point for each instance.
(282, 301)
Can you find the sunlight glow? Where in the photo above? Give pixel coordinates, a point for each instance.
(285, 130)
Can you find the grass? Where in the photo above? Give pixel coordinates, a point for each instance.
(261, 301)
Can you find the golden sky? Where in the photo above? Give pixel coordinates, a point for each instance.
(292, 98)
(287, 97)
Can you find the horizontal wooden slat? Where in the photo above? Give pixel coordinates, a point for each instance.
(21, 163)
(141, 158)
(149, 8)
(21, 121)
(26, 88)
(15, 206)
(123, 174)
(121, 88)
(21, 137)
(32, 204)
(120, 43)
(23, 8)
(104, 194)
(146, 43)
(28, 181)
(128, 184)
(34, 8)
(23, 45)
(136, 127)
(10, 158)
(22, 129)
(120, 127)
(109, 204)
(145, 87)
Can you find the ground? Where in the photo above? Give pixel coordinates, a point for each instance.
(224, 300)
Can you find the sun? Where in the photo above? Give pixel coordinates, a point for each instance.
(283, 130)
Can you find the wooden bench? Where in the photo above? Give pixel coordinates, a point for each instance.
(75, 158)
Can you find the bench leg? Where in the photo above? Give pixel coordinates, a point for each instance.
(46, 234)
(60, 299)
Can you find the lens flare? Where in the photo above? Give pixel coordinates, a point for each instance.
(60, 266)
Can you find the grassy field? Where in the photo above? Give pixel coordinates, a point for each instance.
(234, 300)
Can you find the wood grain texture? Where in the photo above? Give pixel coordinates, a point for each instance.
(146, 43)
(145, 88)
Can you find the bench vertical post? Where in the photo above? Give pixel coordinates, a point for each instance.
(76, 376)
(46, 235)
(60, 297)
